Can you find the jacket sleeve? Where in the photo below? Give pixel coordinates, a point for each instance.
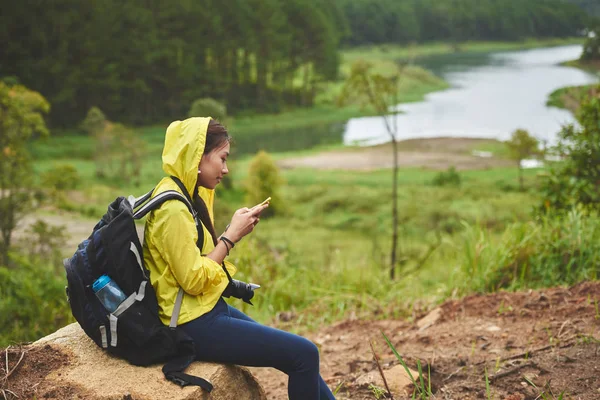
(175, 238)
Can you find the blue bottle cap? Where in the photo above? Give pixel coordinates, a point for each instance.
(100, 283)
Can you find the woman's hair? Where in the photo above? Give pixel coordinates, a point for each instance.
(216, 137)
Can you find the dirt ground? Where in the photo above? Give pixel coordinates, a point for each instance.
(550, 338)
(435, 153)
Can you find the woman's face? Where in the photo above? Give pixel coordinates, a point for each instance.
(213, 167)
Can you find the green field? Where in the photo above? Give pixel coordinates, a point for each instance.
(326, 254)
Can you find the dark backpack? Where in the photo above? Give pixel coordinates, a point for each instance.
(134, 331)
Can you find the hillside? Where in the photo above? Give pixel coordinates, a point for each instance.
(531, 345)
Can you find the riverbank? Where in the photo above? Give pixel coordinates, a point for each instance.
(431, 154)
(324, 118)
(570, 97)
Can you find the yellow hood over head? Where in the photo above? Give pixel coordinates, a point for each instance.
(184, 145)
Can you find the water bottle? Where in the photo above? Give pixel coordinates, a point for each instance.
(108, 292)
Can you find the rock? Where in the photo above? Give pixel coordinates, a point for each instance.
(91, 373)
(429, 319)
(397, 379)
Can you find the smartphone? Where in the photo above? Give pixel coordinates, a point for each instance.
(253, 209)
(264, 202)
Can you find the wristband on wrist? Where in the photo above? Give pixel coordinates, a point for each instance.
(226, 245)
(225, 239)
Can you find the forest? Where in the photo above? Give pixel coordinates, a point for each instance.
(252, 55)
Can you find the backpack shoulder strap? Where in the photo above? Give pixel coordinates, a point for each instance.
(157, 200)
(182, 188)
(200, 242)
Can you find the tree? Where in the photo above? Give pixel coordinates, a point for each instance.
(576, 180)
(381, 93)
(21, 120)
(522, 146)
(207, 107)
(264, 181)
(591, 47)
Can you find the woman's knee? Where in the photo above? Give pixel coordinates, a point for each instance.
(307, 355)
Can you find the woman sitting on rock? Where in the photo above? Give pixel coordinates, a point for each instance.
(196, 152)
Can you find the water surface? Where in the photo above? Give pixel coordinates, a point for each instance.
(490, 96)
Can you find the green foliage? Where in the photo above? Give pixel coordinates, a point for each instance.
(95, 121)
(370, 88)
(556, 250)
(207, 107)
(60, 178)
(21, 120)
(140, 67)
(575, 180)
(406, 21)
(119, 153)
(146, 63)
(570, 97)
(43, 243)
(378, 392)
(32, 302)
(450, 177)
(592, 7)
(264, 181)
(521, 146)
(591, 47)
(421, 390)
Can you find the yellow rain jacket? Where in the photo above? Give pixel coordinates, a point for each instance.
(170, 236)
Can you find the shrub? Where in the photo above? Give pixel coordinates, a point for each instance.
(575, 180)
(207, 107)
(43, 242)
(264, 181)
(591, 47)
(60, 178)
(450, 177)
(32, 301)
(94, 122)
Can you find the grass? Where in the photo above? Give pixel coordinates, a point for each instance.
(569, 97)
(422, 391)
(326, 255)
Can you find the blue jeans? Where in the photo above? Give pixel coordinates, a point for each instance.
(226, 335)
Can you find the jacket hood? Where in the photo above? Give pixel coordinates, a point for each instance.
(184, 144)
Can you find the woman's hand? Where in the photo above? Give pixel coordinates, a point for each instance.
(243, 222)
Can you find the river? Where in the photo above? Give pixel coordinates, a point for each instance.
(490, 96)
